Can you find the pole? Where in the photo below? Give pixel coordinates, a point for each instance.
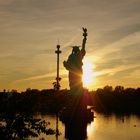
(57, 86)
(57, 77)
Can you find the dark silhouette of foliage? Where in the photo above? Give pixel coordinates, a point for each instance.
(119, 100)
(21, 126)
(107, 99)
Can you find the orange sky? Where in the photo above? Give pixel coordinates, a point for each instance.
(30, 30)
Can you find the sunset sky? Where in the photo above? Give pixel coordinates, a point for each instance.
(30, 30)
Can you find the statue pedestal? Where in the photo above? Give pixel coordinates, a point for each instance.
(76, 108)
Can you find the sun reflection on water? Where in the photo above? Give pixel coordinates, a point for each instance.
(90, 128)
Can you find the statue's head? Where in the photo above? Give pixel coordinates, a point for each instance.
(75, 49)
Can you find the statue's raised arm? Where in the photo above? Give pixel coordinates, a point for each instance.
(83, 51)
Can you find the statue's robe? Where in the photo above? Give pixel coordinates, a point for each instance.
(74, 66)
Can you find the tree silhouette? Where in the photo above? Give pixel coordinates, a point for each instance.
(21, 126)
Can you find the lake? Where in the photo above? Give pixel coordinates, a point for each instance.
(103, 127)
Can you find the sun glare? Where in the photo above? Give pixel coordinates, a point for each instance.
(88, 74)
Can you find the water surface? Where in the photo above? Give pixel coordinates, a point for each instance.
(104, 127)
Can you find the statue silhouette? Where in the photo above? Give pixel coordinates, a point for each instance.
(74, 65)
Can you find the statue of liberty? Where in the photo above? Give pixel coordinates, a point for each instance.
(74, 65)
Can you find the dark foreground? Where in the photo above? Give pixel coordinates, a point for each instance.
(17, 109)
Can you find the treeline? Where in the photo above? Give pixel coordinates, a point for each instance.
(118, 100)
(107, 99)
(32, 101)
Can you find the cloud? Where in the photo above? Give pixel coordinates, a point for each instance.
(48, 75)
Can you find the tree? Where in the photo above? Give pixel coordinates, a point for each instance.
(119, 89)
(21, 126)
(108, 89)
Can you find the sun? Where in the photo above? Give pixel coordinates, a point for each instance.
(88, 74)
